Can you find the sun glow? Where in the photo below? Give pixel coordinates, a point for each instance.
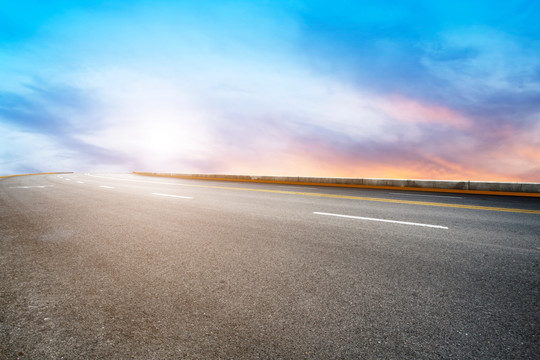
(162, 141)
(165, 141)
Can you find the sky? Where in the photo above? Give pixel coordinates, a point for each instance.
(367, 89)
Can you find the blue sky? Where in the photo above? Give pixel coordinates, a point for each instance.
(403, 89)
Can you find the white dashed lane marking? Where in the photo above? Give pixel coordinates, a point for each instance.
(106, 187)
(174, 196)
(382, 220)
(335, 196)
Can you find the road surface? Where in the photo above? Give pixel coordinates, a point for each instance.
(123, 266)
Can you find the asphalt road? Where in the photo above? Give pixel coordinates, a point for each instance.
(124, 266)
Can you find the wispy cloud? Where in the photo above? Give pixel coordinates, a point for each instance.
(427, 90)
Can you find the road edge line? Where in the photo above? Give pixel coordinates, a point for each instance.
(32, 174)
(379, 187)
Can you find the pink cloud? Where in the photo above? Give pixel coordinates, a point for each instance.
(406, 110)
(307, 156)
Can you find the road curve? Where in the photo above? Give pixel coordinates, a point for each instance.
(123, 266)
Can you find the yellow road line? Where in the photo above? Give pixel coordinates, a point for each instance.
(363, 198)
(395, 201)
(46, 173)
(378, 187)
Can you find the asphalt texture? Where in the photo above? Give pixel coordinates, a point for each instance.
(105, 266)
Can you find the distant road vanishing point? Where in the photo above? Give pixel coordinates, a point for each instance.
(124, 266)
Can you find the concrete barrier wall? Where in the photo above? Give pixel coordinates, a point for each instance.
(476, 187)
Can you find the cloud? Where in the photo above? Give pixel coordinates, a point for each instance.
(40, 127)
(359, 89)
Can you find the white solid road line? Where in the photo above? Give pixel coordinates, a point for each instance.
(439, 196)
(174, 196)
(106, 187)
(382, 220)
(30, 187)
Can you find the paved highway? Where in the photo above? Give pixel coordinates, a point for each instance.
(124, 266)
